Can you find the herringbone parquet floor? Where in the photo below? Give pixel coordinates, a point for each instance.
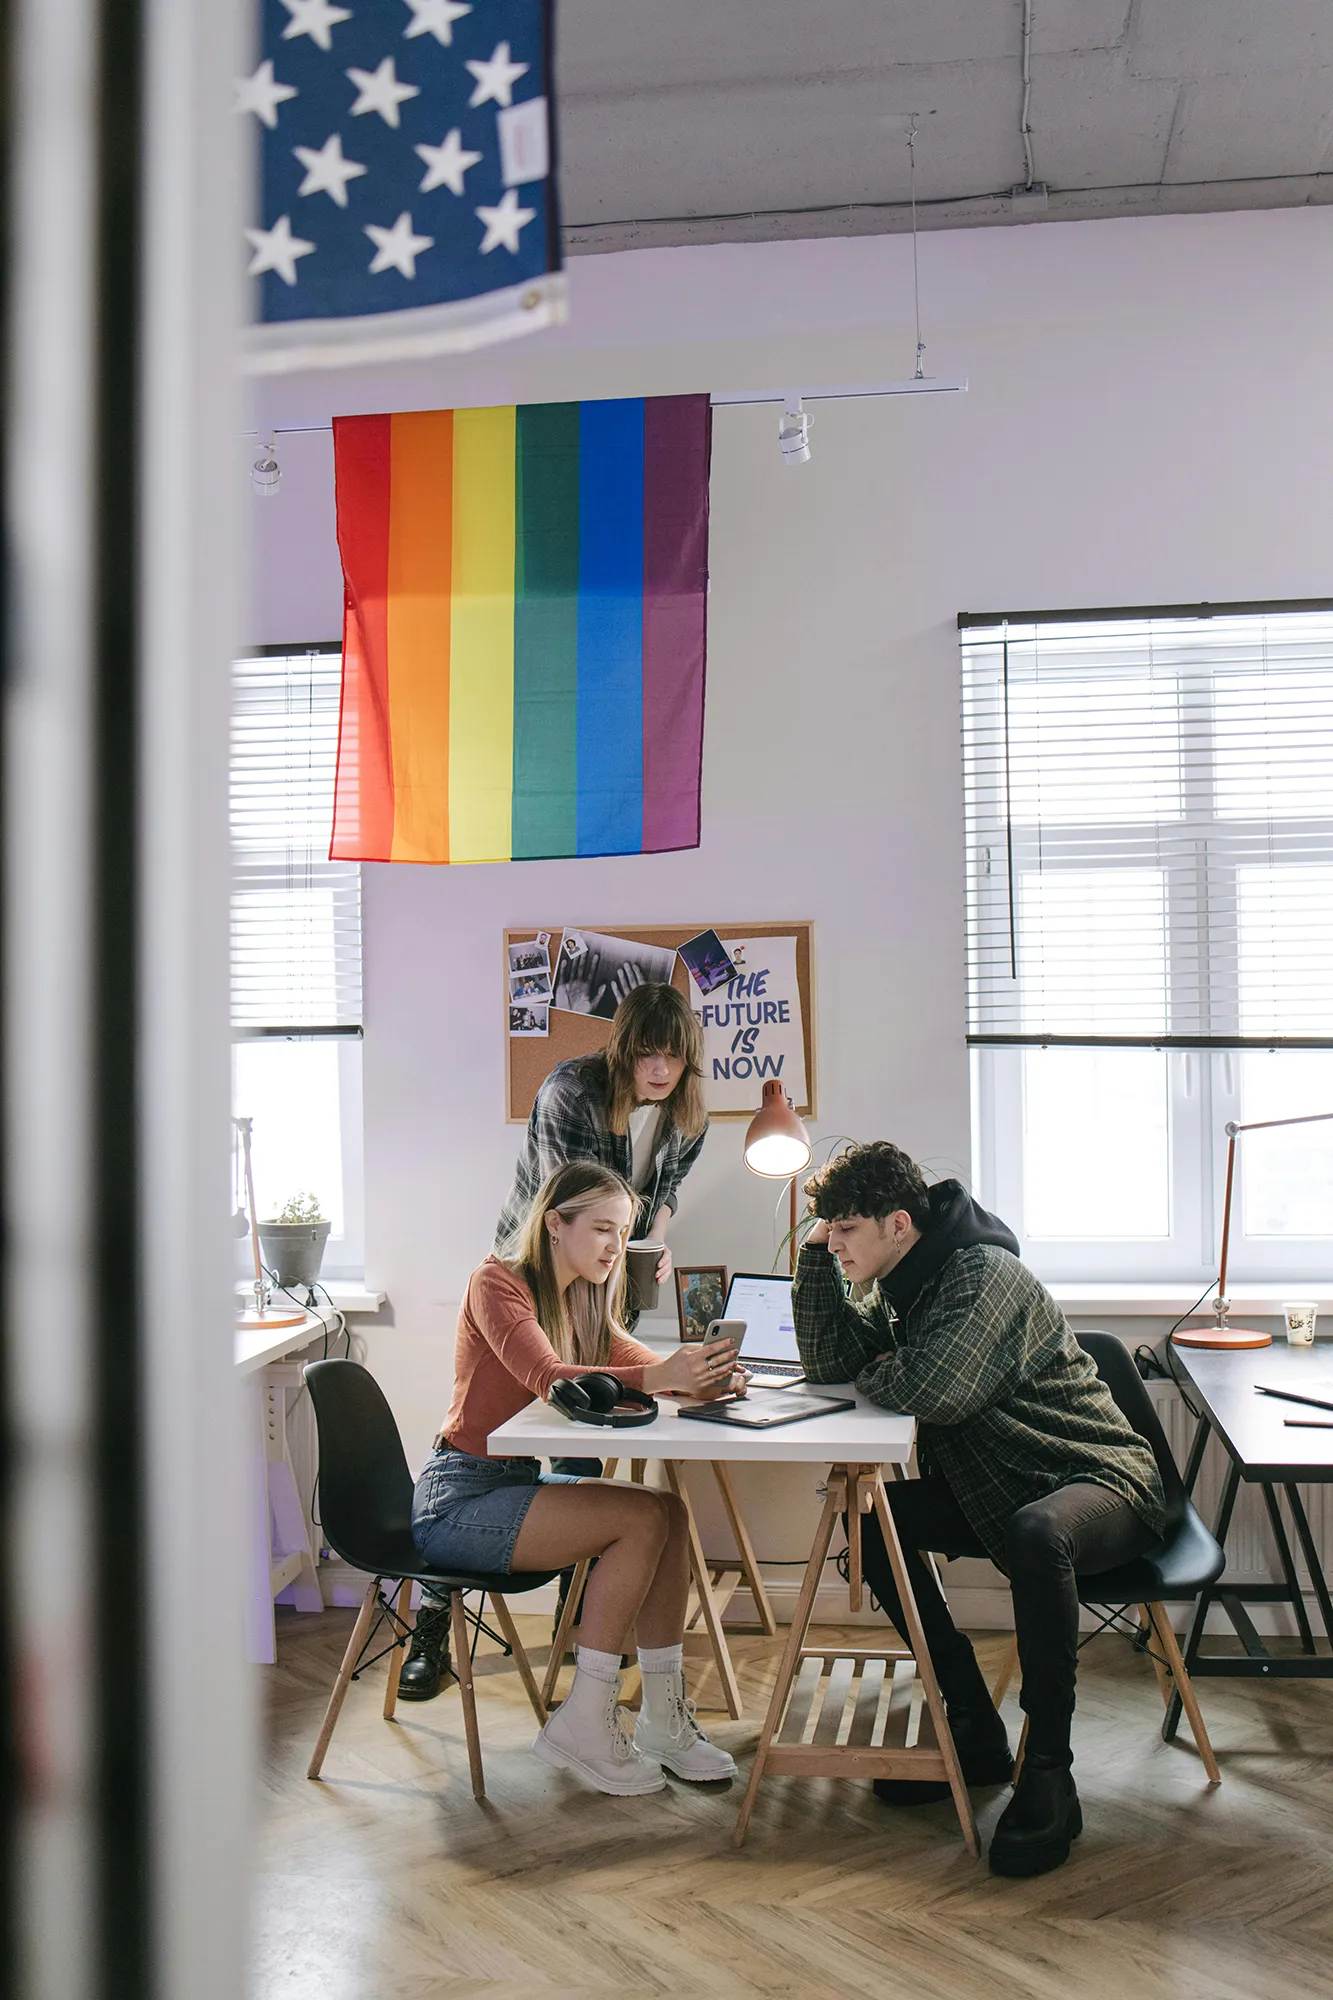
(386, 1881)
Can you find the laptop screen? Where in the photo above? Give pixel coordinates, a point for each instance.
(764, 1303)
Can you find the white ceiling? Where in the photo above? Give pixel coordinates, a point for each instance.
(703, 121)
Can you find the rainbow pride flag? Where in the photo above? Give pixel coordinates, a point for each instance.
(523, 632)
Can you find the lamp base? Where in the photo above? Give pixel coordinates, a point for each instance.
(1221, 1337)
(255, 1322)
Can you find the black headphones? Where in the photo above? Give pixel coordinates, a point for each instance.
(593, 1399)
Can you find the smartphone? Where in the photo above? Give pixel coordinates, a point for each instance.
(726, 1329)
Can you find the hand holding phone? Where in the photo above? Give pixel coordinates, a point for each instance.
(707, 1369)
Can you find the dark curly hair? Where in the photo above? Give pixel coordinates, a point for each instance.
(872, 1180)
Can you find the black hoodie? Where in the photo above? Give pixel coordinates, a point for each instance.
(955, 1222)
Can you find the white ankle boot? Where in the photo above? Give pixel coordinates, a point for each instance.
(667, 1731)
(587, 1734)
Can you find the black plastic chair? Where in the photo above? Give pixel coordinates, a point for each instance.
(1176, 1569)
(365, 1492)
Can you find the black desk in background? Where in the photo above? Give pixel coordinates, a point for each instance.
(1265, 1452)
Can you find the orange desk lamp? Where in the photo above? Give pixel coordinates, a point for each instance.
(1222, 1334)
(777, 1145)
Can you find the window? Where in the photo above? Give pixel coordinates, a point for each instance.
(1149, 814)
(296, 946)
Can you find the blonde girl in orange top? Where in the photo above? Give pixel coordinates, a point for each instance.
(553, 1312)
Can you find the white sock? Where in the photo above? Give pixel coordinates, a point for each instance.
(602, 1666)
(661, 1659)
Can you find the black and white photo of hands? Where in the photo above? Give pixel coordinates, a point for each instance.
(594, 972)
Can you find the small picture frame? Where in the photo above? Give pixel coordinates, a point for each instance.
(701, 1294)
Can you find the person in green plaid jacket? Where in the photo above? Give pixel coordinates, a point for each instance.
(1024, 1456)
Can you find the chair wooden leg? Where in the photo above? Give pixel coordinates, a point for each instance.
(562, 1631)
(1147, 1625)
(521, 1661)
(399, 1653)
(1004, 1678)
(1021, 1751)
(345, 1671)
(1184, 1687)
(463, 1668)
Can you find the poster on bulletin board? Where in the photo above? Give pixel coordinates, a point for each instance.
(752, 1026)
(752, 987)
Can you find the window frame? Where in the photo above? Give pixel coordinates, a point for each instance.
(1203, 1082)
(344, 1253)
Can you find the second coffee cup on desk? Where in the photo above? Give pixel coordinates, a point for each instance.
(641, 1262)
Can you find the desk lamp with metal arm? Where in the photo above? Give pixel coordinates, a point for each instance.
(1222, 1334)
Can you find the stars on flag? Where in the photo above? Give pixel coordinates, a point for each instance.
(435, 17)
(446, 164)
(262, 94)
(314, 18)
(503, 223)
(348, 96)
(277, 250)
(327, 172)
(496, 78)
(397, 249)
(381, 91)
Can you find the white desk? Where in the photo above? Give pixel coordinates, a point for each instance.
(865, 1433)
(279, 1551)
(833, 1712)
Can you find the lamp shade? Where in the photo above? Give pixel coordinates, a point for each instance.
(776, 1142)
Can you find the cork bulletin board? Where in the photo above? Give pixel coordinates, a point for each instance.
(529, 1061)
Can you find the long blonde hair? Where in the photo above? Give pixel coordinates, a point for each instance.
(579, 1321)
(656, 1021)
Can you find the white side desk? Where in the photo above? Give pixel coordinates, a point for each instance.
(833, 1712)
(279, 1551)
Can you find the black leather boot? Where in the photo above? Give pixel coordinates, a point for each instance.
(1040, 1821)
(427, 1665)
(982, 1743)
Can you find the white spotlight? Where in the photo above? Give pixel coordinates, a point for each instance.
(794, 433)
(265, 472)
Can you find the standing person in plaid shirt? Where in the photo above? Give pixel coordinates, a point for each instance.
(638, 1109)
(1024, 1457)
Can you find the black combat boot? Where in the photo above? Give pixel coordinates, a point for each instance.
(1041, 1820)
(982, 1743)
(427, 1667)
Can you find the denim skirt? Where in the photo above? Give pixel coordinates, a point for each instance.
(466, 1511)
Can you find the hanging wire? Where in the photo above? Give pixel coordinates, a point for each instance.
(916, 275)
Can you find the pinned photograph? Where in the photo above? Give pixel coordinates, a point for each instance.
(526, 1021)
(708, 961)
(701, 1293)
(532, 957)
(594, 973)
(530, 985)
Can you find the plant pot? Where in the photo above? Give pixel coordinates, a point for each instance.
(294, 1250)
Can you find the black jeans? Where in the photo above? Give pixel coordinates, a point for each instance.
(1080, 1529)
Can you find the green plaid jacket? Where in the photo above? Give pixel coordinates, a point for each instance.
(568, 1122)
(1008, 1405)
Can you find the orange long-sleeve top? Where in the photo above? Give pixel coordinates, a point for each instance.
(503, 1361)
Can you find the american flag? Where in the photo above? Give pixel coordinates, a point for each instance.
(407, 188)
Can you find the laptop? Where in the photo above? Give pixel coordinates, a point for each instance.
(763, 1301)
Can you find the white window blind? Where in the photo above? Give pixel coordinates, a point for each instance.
(1149, 824)
(296, 915)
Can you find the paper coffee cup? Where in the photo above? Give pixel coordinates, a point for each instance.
(1300, 1315)
(641, 1261)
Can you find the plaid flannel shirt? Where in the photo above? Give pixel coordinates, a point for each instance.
(568, 1122)
(1009, 1406)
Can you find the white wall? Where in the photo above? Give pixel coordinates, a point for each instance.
(1149, 421)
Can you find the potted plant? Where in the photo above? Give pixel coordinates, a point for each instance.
(294, 1240)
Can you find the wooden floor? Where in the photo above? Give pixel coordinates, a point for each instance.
(386, 1881)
